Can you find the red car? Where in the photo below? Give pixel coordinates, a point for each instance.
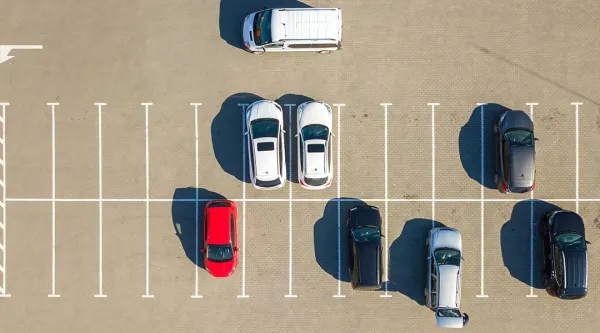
(220, 238)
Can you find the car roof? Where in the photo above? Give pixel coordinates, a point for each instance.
(305, 24)
(219, 225)
(522, 166)
(448, 276)
(369, 259)
(266, 162)
(315, 164)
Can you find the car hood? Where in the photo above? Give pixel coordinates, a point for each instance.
(522, 161)
(516, 119)
(314, 113)
(248, 29)
(449, 322)
(369, 258)
(446, 238)
(221, 269)
(263, 109)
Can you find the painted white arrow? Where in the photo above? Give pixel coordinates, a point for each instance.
(5, 50)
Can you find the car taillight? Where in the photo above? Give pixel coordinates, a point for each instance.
(504, 187)
(302, 182)
(533, 186)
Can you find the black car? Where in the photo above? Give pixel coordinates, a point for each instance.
(565, 256)
(364, 239)
(515, 151)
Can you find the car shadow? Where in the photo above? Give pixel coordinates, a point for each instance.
(227, 134)
(469, 143)
(325, 234)
(407, 269)
(233, 12)
(187, 216)
(290, 127)
(516, 239)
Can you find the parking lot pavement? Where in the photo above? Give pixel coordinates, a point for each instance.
(29, 266)
(33, 153)
(123, 150)
(76, 136)
(363, 169)
(457, 151)
(589, 146)
(267, 250)
(123, 248)
(409, 148)
(77, 249)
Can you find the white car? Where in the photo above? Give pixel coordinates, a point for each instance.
(266, 146)
(315, 160)
(444, 271)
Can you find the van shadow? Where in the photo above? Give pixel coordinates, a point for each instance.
(232, 13)
(407, 270)
(325, 234)
(469, 143)
(227, 134)
(516, 237)
(289, 124)
(187, 216)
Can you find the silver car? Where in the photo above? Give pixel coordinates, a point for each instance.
(266, 144)
(444, 271)
(315, 160)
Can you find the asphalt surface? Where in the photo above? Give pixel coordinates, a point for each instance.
(171, 54)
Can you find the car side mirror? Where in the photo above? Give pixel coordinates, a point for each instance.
(382, 235)
(235, 249)
(588, 242)
(283, 131)
(332, 134)
(536, 139)
(246, 133)
(202, 250)
(296, 135)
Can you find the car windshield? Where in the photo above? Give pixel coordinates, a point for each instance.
(450, 313)
(571, 241)
(264, 128)
(219, 253)
(447, 257)
(315, 132)
(262, 28)
(366, 234)
(519, 137)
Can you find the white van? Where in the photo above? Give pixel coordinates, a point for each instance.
(293, 29)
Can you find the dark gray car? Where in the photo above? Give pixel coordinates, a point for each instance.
(515, 151)
(364, 244)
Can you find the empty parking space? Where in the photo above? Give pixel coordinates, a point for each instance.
(589, 149)
(409, 150)
(77, 250)
(76, 149)
(123, 151)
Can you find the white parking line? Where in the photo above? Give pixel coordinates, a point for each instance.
(243, 295)
(196, 295)
(339, 222)
(577, 104)
(147, 294)
(482, 202)
(290, 163)
(386, 252)
(3, 292)
(433, 105)
(531, 228)
(100, 218)
(53, 294)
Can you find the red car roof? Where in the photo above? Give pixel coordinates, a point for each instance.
(219, 225)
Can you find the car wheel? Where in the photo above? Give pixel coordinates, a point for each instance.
(258, 52)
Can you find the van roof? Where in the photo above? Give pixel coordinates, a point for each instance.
(306, 23)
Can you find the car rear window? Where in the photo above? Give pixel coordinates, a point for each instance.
(316, 148)
(265, 146)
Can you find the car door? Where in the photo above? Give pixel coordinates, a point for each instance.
(558, 266)
(505, 160)
(274, 47)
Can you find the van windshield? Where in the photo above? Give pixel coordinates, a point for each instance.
(262, 28)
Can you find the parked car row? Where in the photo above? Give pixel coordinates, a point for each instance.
(266, 145)
(565, 271)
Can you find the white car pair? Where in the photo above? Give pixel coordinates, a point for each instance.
(266, 145)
